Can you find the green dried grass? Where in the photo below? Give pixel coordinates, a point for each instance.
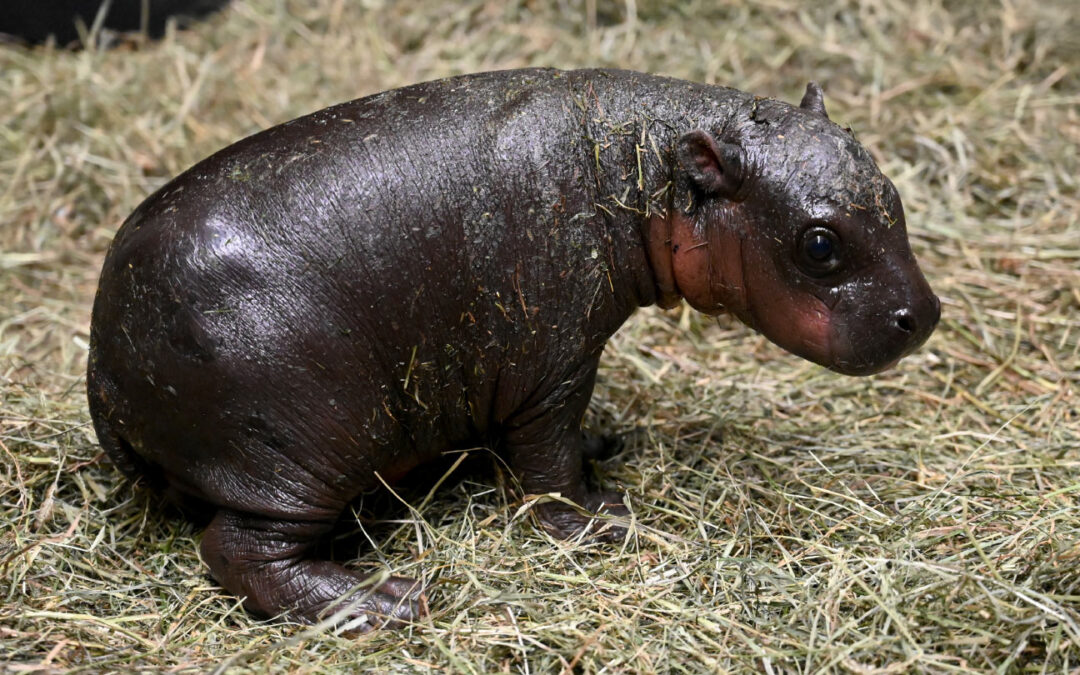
(787, 519)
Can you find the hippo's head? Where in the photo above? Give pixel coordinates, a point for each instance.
(784, 219)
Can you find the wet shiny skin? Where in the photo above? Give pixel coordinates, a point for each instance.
(360, 290)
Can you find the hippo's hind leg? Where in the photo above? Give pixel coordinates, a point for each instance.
(546, 448)
(267, 562)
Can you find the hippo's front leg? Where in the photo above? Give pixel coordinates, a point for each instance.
(546, 447)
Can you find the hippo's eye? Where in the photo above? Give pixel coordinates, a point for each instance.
(819, 247)
(818, 251)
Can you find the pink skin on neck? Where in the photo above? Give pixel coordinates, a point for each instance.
(727, 279)
(683, 268)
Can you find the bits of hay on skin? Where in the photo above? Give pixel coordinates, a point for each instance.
(786, 518)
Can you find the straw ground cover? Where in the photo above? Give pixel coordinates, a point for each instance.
(787, 519)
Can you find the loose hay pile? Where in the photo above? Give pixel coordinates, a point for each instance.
(788, 519)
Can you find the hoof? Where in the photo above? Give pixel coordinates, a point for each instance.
(601, 447)
(566, 522)
(396, 602)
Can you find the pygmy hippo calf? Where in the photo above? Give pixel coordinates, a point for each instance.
(333, 301)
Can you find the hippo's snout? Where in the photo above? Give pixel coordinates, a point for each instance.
(875, 335)
(915, 323)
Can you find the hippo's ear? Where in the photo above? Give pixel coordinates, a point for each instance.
(716, 169)
(814, 100)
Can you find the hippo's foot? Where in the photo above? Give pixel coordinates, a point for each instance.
(392, 604)
(262, 560)
(600, 447)
(547, 447)
(566, 522)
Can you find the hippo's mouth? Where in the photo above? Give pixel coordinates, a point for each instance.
(861, 368)
(862, 352)
(813, 330)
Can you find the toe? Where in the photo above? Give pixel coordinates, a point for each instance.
(565, 522)
(396, 602)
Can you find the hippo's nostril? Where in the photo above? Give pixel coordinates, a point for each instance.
(905, 322)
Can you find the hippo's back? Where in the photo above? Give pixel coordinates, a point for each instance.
(266, 300)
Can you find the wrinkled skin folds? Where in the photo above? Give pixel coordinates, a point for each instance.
(334, 301)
